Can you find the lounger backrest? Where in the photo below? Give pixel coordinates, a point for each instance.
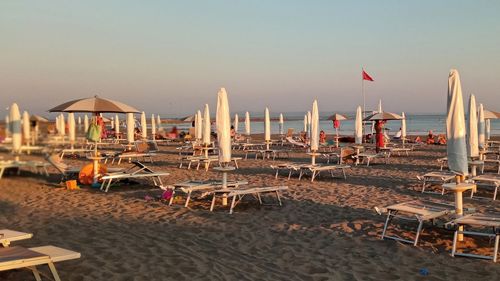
(152, 146)
(141, 147)
(55, 161)
(142, 166)
(346, 152)
(289, 133)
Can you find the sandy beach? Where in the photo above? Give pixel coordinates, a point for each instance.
(326, 230)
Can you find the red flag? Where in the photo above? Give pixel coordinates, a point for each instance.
(366, 76)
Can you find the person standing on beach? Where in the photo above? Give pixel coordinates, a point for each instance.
(379, 136)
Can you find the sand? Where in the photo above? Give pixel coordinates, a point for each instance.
(326, 230)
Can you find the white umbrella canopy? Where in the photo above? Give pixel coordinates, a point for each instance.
(85, 123)
(144, 126)
(223, 121)
(206, 126)
(117, 126)
(315, 127)
(309, 124)
(383, 116)
(487, 130)
(198, 125)
(247, 123)
(403, 126)
(358, 126)
(236, 123)
(481, 128)
(113, 123)
(267, 126)
(153, 126)
(281, 122)
(71, 127)
(456, 147)
(26, 127)
(130, 127)
(472, 134)
(15, 127)
(94, 105)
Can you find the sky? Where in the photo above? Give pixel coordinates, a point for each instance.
(171, 57)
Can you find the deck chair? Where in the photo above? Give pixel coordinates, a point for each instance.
(4, 165)
(418, 210)
(436, 177)
(138, 170)
(480, 222)
(290, 167)
(66, 171)
(370, 156)
(237, 194)
(488, 180)
(7, 236)
(192, 186)
(18, 258)
(315, 170)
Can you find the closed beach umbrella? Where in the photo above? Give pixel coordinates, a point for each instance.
(481, 128)
(199, 128)
(26, 128)
(403, 127)
(153, 126)
(236, 123)
(7, 126)
(305, 123)
(62, 125)
(267, 126)
(281, 123)
(206, 126)
(144, 126)
(158, 121)
(473, 144)
(15, 127)
(247, 123)
(309, 124)
(79, 121)
(455, 126)
(315, 127)
(130, 128)
(117, 126)
(223, 122)
(112, 123)
(380, 106)
(487, 130)
(196, 126)
(71, 127)
(358, 126)
(85, 123)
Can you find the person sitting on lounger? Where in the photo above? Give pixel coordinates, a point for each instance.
(322, 137)
(441, 140)
(397, 136)
(430, 138)
(233, 132)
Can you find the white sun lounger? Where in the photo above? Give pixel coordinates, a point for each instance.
(37, 167)
(188, 187)
(436, 177)
(209, 160)
(139, 170)
(479, 221)
(420, 211)
(370, 156)
(238, 193)
(19, 258)
(317, 169)
(7, 236)
(493, 180)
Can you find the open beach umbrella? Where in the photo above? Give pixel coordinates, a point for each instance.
(15, 127)
(153, 127)
(223, 122)
(456, 147)
(380, 106)
(206, 127)
(247, 123)
(267, 127)
(481, 128)
(85, 123)
(7, 126)
(94, 105)
(26, 128)
(472, 134)
(144, 126)
(71, 128)
(281, 122)
(358, 126)
(383, 116)
(403, 127)
(198, 128)
(487, 129)
(117, 126)
(315, 127)
(236, 123)
(337, 117)
(130, 128)
(189, 118)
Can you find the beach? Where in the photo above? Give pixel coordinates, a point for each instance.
(326, 230)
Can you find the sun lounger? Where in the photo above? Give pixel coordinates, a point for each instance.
(72, 151)
(7, 236)
(19, 258)
(296, 143)
(443, 161)
(4, 165)
(420, 211)
(436, 177)
(238, 193)
(370, 156)
(36, 167)
(61, 167)
(482, 222)
(188, 187)
(317, 169)
(492, 180)
(492, 162)
(138, 170)
(291, 167)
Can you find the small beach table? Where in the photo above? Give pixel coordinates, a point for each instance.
(459, 189)
(7, 236)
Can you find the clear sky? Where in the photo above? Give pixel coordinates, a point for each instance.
(171, 57)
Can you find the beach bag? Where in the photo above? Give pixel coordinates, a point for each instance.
(94, 133)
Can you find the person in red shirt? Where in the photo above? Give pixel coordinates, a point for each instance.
(379, 136)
